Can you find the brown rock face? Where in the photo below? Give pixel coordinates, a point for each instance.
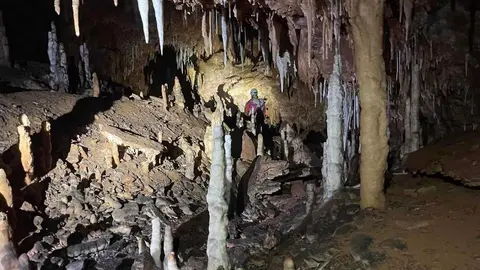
(248, 148)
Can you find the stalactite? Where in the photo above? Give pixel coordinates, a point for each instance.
(309, 10)
(143, 6)
(75, 8)
(115, 2)
(283, 63)
(205, 33)
(158, 7)
(274, 39)
(210, 41)
(224, 36)
(292, 34)
(407, 8)
(56, 3)
(415, 106)
(242, 45)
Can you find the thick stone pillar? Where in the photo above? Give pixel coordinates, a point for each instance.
(366, 19)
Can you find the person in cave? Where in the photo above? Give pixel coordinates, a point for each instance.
(254, 104)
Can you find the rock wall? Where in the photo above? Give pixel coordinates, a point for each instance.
(4, 49)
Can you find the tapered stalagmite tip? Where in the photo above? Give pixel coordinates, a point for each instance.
(288, 263)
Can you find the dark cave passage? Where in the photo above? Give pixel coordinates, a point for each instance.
(293, 134)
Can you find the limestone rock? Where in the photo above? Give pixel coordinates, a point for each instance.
(128, 211)
(150, 147)
(249, 151)
(6, 189)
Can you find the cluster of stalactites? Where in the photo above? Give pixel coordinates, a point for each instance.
(158, 6)
(183, 58)
(75, 8)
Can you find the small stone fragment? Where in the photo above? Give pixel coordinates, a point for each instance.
(129, 210)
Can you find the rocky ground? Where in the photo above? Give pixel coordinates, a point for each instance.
(119, 163)
(428, 224)
(455, 157)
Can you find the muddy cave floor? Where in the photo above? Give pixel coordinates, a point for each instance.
(429, 223)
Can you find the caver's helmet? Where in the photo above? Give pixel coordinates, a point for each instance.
(254, 92)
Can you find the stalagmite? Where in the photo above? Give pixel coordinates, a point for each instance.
(26, 155)
(177, 92)
(141, 244)
(170, 262)
(217, 205)
(143, 9)
(156, 241)
(62, 69)
(366, 19)
(95, 85)
(8, 255)
(47, 146)
(165, 97)
(288, 263)
(85, 56)
(24, 121)
(190, 163)
(53, 56)
(224, 36)
(158, 7)
(5, 189)
(229, 167)
(115, 154)
(260, 145)
(56, 3)
(332, 170)
(75, 8)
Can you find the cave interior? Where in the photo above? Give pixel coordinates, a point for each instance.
(235, 134)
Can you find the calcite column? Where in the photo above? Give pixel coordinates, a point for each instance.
(366, 19)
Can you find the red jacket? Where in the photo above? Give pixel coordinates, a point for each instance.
(254, 105)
